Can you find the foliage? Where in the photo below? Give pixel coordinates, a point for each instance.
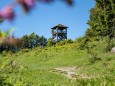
(8, 71)
(102, 19)
(33, 40)
(94, 47)
(8, 42)
(50, 42)
(102, 24)
(94, 65)
(69, 41)
(61, 43)
(11, 43)
(35, 66)
(4, 34)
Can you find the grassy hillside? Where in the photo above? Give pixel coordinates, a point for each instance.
(37, 67)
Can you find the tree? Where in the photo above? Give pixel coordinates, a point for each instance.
(43, 41)
(10, 43)
(102, 20)
(33, 40)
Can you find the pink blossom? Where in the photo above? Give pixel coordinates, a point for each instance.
(30, 3)
(27, 4)
(7, 13)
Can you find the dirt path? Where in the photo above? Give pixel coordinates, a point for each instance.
(69, 72)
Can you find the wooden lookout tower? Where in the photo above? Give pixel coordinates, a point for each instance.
(59, 33)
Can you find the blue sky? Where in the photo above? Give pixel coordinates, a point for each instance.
(46, 16)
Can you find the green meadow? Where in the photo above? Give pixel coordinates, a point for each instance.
(37, 67)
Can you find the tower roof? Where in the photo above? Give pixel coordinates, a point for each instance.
(60, 26)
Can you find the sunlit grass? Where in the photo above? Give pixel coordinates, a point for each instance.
(35, 66)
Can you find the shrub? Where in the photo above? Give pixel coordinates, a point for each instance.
(50, 42)
(69, 41)
(111, 44)
(61, 43)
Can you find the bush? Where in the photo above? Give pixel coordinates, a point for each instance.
(50, 42)
(10, 44)
(61, 43)
(8, 70)
(69, 41)
(95, 48)
(111, 44)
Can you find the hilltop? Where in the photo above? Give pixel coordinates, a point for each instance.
(56, 66)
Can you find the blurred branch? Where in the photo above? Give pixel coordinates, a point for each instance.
(8, 12)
